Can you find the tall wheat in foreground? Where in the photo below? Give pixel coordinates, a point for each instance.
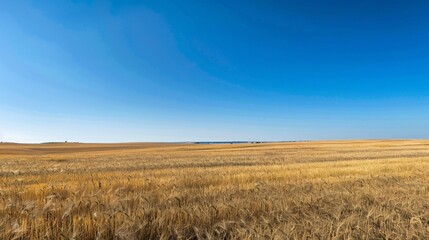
(316, 190)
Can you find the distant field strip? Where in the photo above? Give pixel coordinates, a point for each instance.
(371, 189)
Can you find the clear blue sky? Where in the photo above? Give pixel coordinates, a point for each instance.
(99, 71)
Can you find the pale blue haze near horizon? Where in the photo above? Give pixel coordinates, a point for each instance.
(124, 71)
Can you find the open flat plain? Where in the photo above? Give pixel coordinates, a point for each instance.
(373, 189)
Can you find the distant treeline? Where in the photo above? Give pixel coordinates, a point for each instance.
(238, 142)
(232, 142)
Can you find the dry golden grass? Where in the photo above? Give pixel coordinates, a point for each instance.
(316, 190)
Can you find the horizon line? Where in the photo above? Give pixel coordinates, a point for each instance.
(219, 142)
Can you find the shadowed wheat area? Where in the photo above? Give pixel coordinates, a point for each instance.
(318, 190)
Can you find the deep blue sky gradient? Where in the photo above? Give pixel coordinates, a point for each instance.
(99, 71)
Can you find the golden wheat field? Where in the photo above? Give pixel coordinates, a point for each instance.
(304, 190)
